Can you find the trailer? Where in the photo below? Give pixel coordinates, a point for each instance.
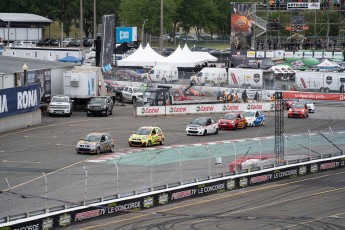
(319, 81)
(83, 82)
(250, 78)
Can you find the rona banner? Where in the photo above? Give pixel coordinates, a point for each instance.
(19, 100)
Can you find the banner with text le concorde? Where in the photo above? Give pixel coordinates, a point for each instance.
(19, 100)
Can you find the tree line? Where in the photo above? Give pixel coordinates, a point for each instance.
(209, 16)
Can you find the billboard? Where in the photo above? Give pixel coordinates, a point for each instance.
(126, 34)
(41, 76)
(108, 25)
(19, 100)
(241, 25)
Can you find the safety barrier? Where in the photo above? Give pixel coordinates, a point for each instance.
(175, 192)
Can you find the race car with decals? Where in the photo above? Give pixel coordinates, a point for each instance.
(202, 126)
(146, 136)
(254, 117)
(232, 121)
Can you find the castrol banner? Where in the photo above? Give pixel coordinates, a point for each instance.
(203, 108)
(314, 96)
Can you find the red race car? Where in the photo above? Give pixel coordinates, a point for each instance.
(232, 121)
(298, 109)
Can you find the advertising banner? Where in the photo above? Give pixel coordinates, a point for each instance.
(303, 5)
(19, 100)
(150, 111)
(42, 77)
(241, 25)
(126, 34)
(108, 25)
(314, 96)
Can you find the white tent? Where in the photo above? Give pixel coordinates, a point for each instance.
(142, 57)
(192, 55)
(206, 56)
(179, 59)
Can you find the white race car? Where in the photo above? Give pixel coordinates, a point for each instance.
(202, 126)
(310, 104)
(254, 117)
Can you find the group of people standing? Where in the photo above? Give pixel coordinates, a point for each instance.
(234, 97)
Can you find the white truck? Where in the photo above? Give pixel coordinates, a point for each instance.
(250, 78)
(319, 81)
(211, 75)
(60, 105)
(162, 73)
(83, 82)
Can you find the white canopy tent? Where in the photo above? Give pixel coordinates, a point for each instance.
(180, 59)
(142, 57)
(326, 64)
(206, 56)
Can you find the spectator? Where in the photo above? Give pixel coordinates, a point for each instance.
(256, 97)
(244, 96)
(341, 88)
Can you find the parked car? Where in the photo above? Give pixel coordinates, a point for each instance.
(132, 94)
(74, 43)
(232, 121)
(1, 49)
(51, 42)
(88, 42)
(298, 109)
(202, 126)
(146, 136)
(66, 41)
(40, 43)
(254, 117)
(96, 143)
(100, 105)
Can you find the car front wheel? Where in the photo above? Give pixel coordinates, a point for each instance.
(161, 142)
(149, 144)
(98, 151)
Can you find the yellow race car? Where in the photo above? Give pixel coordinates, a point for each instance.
(147, 136)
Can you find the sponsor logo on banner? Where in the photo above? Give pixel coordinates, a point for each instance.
(290, 173)
(48, 224)
(207, 189)
(329, 80)
(205, 108)
(230, 184)
(314, 168)
(271, 106)
(255, 106)
(230, 107)
(243, 182)
(150, 110)
(27, 227)
(330, 165)
(256, 77)
(113, 207)
(148, 202)
(302, 170)
(163, 198)
(181, 194)
(178, 109)
(89, 214)
(65, 220)
(260, 179)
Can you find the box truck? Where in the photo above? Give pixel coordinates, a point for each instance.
(319, 81)
(210, 75)
(83, 82)
(162, 73)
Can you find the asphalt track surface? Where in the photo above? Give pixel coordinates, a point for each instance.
(50, 148)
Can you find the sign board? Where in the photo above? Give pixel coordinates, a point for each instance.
(126, 34)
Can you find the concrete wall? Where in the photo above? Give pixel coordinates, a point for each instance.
(20, 121)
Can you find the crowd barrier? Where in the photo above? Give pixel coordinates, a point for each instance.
(168, 194)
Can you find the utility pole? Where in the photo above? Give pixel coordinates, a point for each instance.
(161, 36)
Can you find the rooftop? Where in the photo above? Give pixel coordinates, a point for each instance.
(23, 17)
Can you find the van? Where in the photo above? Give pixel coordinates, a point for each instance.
(211, 75)
(162, 73)
(24, 44)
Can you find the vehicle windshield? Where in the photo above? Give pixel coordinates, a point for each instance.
(306, 101)
(97, 100)
(59, 99)
(137, 90)
(92, 137)
(298, 105)
(249, 114)
(143, 131)
(230, 116)
(199, 121)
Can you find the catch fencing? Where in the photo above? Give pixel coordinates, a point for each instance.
(134, 171)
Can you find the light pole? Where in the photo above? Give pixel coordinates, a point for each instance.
(25, 69)
(81, 24)
(235, 156)
(94, 19)
(161, 37)
(142, 31)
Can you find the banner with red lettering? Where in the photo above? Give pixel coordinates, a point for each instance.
(314, 96)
